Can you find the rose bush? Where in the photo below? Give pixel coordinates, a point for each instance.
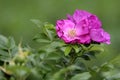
(53, 59)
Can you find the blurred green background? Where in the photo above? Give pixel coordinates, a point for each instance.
(15, 16)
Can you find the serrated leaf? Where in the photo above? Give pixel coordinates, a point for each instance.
(67, 50)
(82, 76)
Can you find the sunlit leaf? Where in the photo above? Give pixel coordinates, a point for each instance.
(76, 48)
(67, 50)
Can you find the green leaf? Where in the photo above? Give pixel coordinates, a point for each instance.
(97, 48)
(76, 48)
(106, 67)
(85, 57)
(2, 76)
(53, 56)
(49, 29)
(19, 71)
(90, 54)
(40, 36)
(11, 43)
(43, 41)
(34, 75)
(49, 26)
(95, 75)
(48, 34)
(4, 56)
(116, 61)
(37, 22)
(112, 74)
(67, 50)
(3, 42)
(82, 76)
(58, 74)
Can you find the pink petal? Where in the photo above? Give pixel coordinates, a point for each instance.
(69, 17)
(94, 22)
(82, 28)
(84, 39)
(64, 25)
(99, 35)
(80, 15)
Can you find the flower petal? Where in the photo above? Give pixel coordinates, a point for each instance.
(80, 15)
(84, 39)
(82, 28)
(99, 35)
(94, 22)
(64, 25)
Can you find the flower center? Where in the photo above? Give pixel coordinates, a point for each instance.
(72, 33)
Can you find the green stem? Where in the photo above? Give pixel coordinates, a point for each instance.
(73, 57)
(72, 60)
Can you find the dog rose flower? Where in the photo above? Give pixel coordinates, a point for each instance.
(82, 28)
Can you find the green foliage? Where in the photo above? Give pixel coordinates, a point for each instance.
(7, 48)
(53, 59)
(68, 50)
(82, 76)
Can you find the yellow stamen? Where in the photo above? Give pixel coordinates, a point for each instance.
(72, 33)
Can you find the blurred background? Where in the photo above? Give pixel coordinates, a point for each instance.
(15, 16)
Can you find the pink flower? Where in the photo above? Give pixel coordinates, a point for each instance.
(99, 35)
(71, 33)
(82, 28)
(92, 20)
